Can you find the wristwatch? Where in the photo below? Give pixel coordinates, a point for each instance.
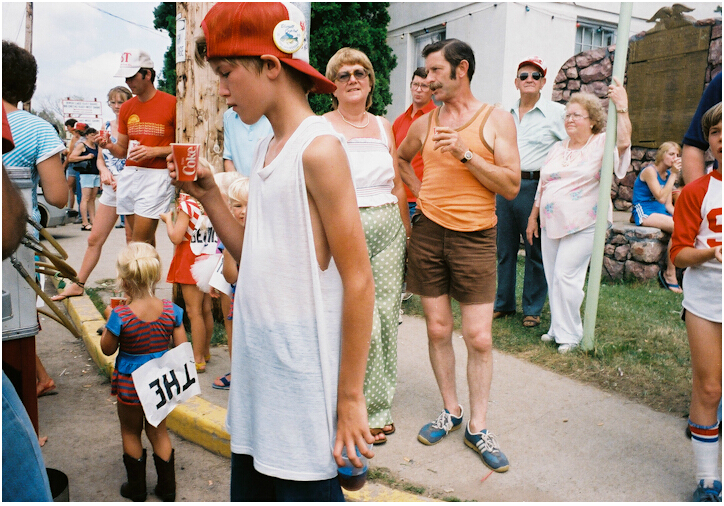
(467, 156)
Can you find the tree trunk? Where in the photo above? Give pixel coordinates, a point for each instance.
(199, 109)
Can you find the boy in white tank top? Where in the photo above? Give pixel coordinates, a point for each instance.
(298, 368)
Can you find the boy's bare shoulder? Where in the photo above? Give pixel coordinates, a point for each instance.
(324, 152)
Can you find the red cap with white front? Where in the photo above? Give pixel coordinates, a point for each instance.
(536, 61)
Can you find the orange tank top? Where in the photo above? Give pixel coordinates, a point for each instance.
(450, 195)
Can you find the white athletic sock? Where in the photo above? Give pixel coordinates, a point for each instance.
(705, 443)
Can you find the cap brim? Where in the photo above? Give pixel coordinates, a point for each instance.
(127, 72)
(321, 84)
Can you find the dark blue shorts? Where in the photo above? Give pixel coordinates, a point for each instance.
(248, 484)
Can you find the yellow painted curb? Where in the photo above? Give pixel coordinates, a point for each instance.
(373, 492)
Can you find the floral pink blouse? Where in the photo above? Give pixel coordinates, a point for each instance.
(568, 188)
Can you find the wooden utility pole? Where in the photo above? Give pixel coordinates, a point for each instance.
(199, 109)
(28, 38)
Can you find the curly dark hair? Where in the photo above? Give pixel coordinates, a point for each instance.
(20, 71)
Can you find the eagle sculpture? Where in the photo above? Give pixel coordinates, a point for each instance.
(667, 18)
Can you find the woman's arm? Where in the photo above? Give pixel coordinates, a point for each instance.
(106, 176)
(76, 156)
(52, 179)
(399, 188)
(662, 194)
(618, 96)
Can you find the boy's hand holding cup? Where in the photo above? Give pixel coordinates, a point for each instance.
(186, 160)
(203, 179)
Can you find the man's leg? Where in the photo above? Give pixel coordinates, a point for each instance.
(507, 244)
(144, 230)
(534, 282)
(248, 484)
(477, 321)
(439, 320)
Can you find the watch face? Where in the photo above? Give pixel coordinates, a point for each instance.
(468, 155)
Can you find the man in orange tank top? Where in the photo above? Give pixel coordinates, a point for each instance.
(470, 154)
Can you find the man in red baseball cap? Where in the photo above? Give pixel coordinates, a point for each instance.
(297, 397)
(539, 125)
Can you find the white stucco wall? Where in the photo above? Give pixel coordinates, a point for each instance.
(502, 34)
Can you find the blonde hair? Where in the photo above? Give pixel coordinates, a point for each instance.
(350, 56)
(711, 118)
(120, 91)
(239, 191)
(139, 270)
(663, 149)
(224, 180)
(593, 107)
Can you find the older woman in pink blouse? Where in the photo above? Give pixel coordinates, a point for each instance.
(567, 201)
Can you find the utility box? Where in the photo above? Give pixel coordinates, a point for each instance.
(23, 318)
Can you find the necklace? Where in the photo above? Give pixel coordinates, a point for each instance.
(352, 124)
(571, 156)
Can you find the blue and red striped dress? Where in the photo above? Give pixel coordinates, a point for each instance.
(139, 342)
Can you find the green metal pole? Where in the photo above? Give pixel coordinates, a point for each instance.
(604, 191)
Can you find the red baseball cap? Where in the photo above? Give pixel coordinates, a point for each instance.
(536, 61)
(260, 28)
(80, 126)
(8, 144)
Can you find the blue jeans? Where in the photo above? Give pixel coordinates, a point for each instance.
(412, 206)
(248, 484)
(24, 474)
(512, 222)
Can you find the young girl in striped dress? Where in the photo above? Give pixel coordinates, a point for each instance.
(142, 328)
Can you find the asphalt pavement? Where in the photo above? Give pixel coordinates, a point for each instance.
(566, 441)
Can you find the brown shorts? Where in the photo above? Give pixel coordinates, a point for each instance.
(462, 265)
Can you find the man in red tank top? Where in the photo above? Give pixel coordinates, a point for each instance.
(470, 154)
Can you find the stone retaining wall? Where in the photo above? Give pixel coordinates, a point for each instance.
(634, 252)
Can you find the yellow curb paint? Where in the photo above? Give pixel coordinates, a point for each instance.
(201, 422)
(373, 492)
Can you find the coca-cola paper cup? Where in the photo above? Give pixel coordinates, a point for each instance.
(186, 159)
(132, 144)
(117, 301)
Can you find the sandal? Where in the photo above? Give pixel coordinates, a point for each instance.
(207, 358)
(222, 382)
(674, 287)
(376, 433)
(389, 431)
(531, 321)
(62, 296)
(86, 228)
(200, 367)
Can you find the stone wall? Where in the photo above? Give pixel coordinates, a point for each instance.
(634, 252)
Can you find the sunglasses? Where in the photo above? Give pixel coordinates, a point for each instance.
(358, 74)
(535, 75)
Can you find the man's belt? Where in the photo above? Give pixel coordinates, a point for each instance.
(530, 175)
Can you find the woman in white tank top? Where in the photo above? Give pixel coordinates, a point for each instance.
(383, 208)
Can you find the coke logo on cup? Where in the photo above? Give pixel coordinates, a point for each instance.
(192, 155)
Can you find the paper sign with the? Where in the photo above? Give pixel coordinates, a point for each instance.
(217, 279)
(165, 382)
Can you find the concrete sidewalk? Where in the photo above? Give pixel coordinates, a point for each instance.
(566, 441)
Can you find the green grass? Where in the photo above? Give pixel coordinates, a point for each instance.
(640, 350)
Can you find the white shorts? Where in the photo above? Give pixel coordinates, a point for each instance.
(143, 192)
(108, 197)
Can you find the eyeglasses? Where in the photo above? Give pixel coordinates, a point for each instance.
(419, 86)
(535, 75)
(358, 74)
(575, 116)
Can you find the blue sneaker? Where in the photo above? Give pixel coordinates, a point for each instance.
(485, 444)
(707, 494)
(433, 432)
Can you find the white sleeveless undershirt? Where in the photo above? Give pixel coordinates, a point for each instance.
(287, 325)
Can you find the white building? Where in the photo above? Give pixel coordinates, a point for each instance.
(504, 33)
